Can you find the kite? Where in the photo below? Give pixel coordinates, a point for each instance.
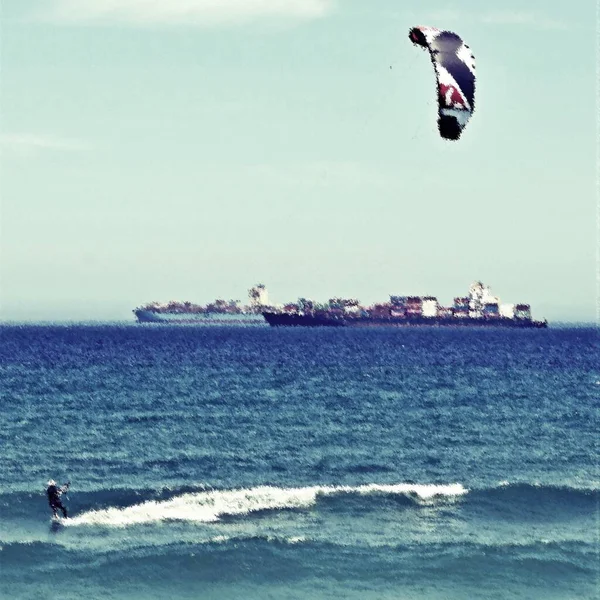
(454, 66)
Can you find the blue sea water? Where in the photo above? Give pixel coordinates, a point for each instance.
(300, 463)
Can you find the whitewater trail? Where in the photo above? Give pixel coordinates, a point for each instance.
(208, 507)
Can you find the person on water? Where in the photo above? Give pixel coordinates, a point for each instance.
(54, 493)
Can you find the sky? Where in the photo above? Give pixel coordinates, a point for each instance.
(186, 150)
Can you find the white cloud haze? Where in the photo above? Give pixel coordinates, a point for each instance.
(442, 18)
(522, 18)
(25, 144)
(191, 12)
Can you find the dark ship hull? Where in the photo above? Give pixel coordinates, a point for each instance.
(324, 320)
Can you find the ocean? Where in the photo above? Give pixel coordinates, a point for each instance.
(232, 463)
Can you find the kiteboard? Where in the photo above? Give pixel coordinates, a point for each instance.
(57, 523)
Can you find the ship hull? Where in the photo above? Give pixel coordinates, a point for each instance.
(298, 320)
(207, 319)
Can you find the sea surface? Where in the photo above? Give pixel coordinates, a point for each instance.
(232, 463)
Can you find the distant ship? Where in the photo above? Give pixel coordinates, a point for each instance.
(479, 309)
(219, 312)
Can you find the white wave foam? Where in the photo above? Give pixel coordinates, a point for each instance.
(424, 492)
(208, 507)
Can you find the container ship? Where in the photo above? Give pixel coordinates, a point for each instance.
(219, 312)
(478, 309)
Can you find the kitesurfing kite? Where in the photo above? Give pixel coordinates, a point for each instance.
(455, 72)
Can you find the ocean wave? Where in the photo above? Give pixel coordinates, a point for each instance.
(25, 553)
(17, 550)
(550, 560)
(538, 495)
(210, 506)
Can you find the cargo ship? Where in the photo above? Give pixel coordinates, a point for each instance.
(478, 309)
(218, 313)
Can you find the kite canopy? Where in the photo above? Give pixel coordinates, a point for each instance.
(455, 71)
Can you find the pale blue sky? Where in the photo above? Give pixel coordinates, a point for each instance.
(187, 150)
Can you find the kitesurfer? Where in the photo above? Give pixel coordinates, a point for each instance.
(54, 493)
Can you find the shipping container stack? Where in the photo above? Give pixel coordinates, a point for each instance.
(414, 306)
(381, 311)
(523, 312)
(507, 311)
(491, 310)
(398, 308)
(430, 307)
(461, 307)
